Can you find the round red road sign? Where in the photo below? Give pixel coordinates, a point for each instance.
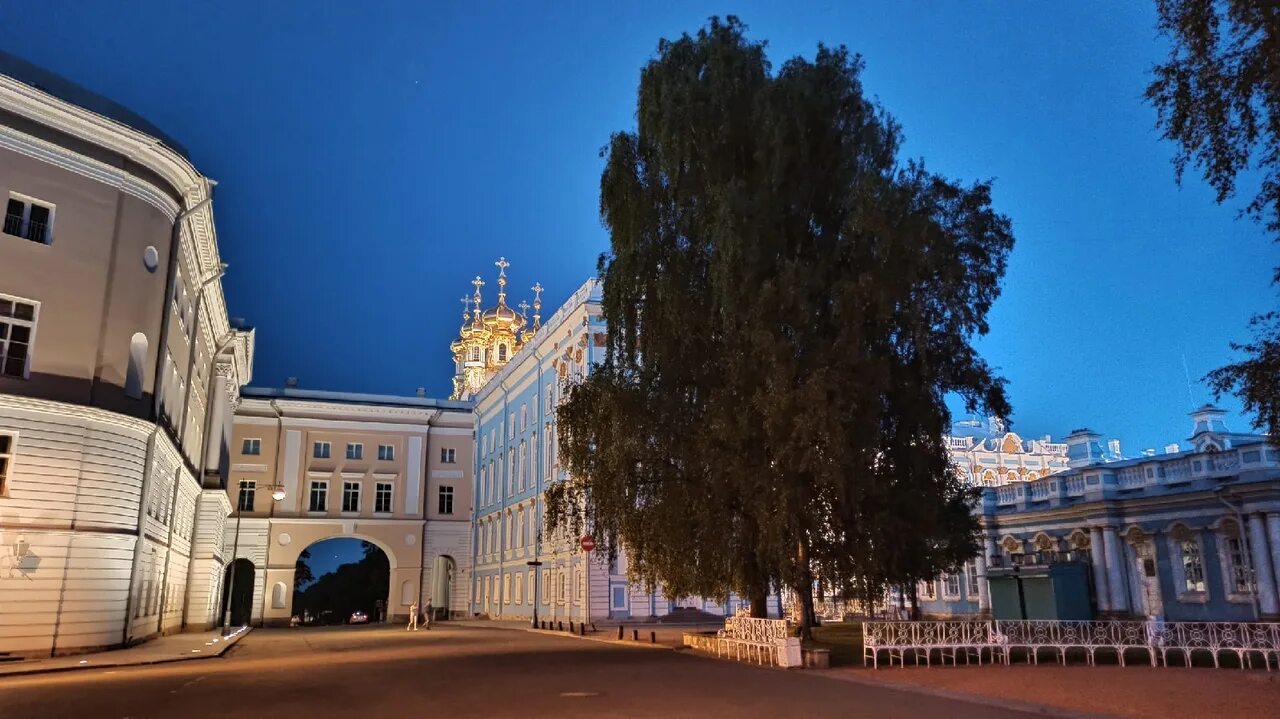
(588, 542)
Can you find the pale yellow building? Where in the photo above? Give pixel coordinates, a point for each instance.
(394, 471)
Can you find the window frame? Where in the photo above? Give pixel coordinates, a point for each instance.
(251, 442)
(971, 579)
(248, 489)
(12, 321)
(24, 228)
(947, 580)
(355, 451)
(448, 455)
(444, 492)
(1178, 540)
(8, 457)
(323, 486)
(378, 495)
(386, 453)
(350, 487)
(317, 454)
(1231, 569)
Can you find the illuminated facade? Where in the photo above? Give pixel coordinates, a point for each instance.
(489, 338)
(983, 453)
(393, 471)
(119, 370)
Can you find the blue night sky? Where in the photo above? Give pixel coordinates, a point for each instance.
(372, 158)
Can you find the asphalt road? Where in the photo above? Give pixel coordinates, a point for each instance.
(376, 672)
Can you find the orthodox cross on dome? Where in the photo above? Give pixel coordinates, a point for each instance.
(502, 266)
(466, 309)
(537, 304)
(524, 308)
(476, 297)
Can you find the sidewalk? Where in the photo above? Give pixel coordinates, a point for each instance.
(173, 648)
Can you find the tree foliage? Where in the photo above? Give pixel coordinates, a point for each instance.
(353, 585)
(1218, 98)
(787, 307)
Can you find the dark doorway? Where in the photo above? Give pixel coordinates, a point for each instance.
(341, 581)
(241, 590)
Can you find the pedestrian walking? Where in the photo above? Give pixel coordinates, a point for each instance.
(428, 612)
(413, 617)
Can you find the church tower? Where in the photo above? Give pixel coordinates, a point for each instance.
(489, 338)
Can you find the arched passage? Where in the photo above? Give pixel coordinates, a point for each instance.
(237, 586)
(342, 580)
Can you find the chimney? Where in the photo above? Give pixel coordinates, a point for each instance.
(1172, 448)
(1083, 447)
(291, 383)
(1113, 448)
(421, 392)
(1149, 452)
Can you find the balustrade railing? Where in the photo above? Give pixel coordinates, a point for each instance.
(1075, 486)
(1133, 477)
(1007, 494)
(1157, 641)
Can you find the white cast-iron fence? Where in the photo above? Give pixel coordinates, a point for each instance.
(996, 640)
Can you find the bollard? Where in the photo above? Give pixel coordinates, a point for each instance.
(635, 635)
(571, 626)
(619, 631)
(653, 637)
(560, 626)
(582, 629)
(593, 628)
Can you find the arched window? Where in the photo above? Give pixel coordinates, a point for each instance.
(502, 352)
(277, 595)
(475, 354)
(135, 377)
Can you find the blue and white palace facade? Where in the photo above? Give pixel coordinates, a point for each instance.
(1188, 535)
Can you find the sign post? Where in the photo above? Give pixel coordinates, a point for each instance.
(588, 544)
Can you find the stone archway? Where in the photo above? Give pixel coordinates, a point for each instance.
(341, 580)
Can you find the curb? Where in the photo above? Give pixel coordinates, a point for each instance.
(601, 640)
(227, 646)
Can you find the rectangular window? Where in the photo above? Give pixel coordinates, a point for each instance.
(445, 505)
(29, 218)
(1237, 574)
(386, 452)
(351, 496)
(382, 497)
(551, 398)
(511, 425)
(320, 450)
(524, 417)
(1192, 566)
(248, 490)
(448, 455)
(971, 577)
(8, 444)
(17, 333)
(319, 497)
(951, 586)
(251, 447)
(355, 450)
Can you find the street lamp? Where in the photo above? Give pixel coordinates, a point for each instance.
(277, 494)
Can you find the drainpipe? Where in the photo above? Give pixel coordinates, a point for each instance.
(537, 490)
(191, 360)
(1246, 550)
(175, 241)
(477, 462)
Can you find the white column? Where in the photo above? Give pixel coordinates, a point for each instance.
(1273, 536)
(1115, 561)
(1262, 566)
(217, 417)
(1098, 560)
(984, 591)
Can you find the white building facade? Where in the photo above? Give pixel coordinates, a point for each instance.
(118, 371)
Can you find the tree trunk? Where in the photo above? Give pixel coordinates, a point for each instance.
(760, 603)
(804, 590)
(915, 603)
